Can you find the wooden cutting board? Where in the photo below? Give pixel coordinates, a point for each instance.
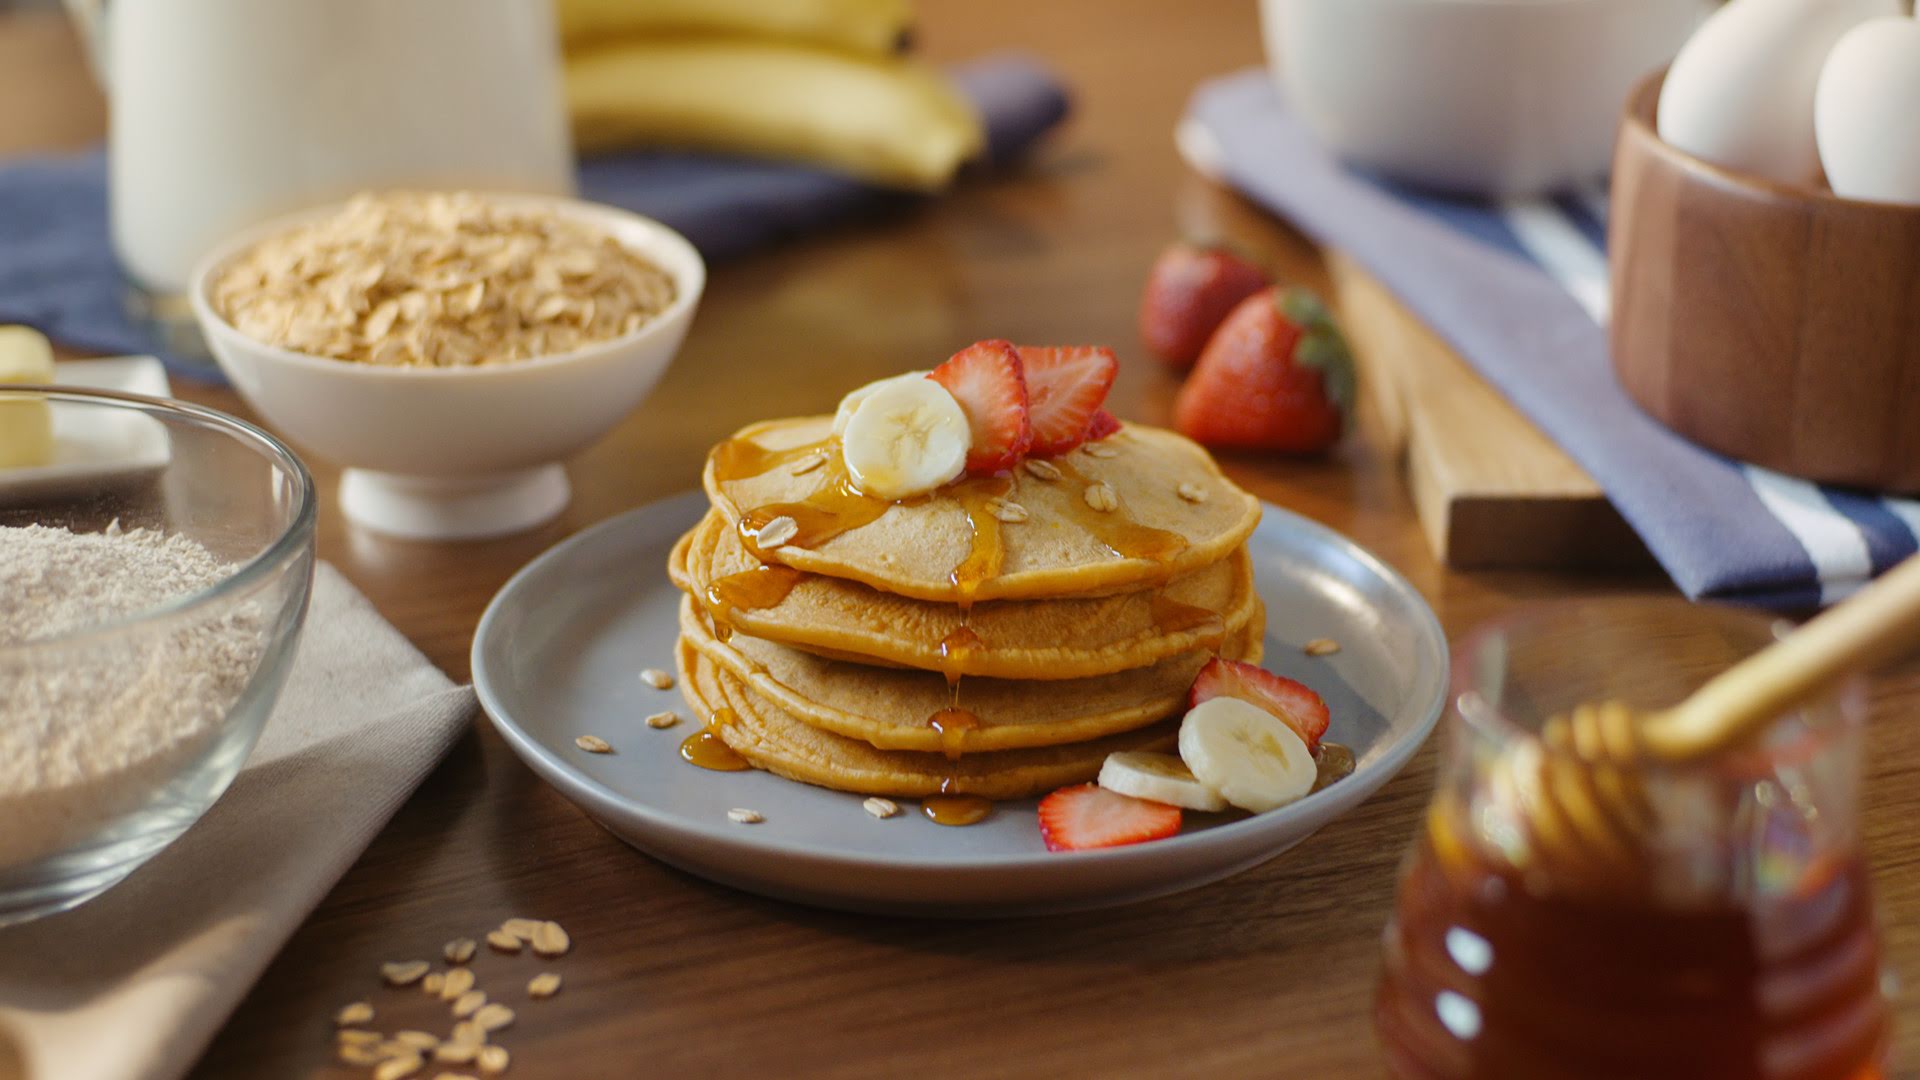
(1492, 491)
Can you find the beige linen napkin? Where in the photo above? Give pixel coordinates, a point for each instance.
(133, 984)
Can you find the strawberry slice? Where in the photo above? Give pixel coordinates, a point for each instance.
(987, 379)
(1102, 425)
(1088, 816)
(1294, 704)
(1065, 387)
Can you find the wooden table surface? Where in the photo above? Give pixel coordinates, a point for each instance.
(1269, 973)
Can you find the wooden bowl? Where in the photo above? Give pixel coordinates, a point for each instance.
(1776, 324)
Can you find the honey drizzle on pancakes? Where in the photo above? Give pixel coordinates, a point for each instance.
(837, 507)
(708, 750)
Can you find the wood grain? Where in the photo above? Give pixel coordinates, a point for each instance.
(1268, 974)
(1775, 324)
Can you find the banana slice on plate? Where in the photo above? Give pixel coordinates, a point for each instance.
(1248, 755)
(861, 393)
(1160, 778)
(907, 436)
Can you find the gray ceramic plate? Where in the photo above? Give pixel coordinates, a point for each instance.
(559, 650)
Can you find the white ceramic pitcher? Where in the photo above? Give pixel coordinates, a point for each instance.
(227, 112)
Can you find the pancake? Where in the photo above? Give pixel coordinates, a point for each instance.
(948, 547)
(893, 709)
(772, 739)
(1039, 639)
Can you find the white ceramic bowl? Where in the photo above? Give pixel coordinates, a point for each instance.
(1481, 97)
(454, 453)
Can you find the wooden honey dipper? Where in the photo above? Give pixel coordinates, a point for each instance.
(1579, 787)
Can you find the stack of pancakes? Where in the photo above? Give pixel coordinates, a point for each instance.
(997, 637)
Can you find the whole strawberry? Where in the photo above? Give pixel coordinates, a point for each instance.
(1276, 375)
(1189, 291)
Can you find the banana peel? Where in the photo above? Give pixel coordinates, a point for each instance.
(869, 27)
(887, 120)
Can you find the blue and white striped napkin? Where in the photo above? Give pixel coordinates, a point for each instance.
(1520, 290)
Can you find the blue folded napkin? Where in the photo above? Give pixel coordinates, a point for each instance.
(1520, 290)
(57, 270)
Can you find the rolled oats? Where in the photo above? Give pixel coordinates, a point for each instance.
(439, 279)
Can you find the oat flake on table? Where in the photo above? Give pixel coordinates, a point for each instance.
(88, 740)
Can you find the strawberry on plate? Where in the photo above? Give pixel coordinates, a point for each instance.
(1065, 386)
(1190, 289)
(1088, 816)
(1102, 425)
(988, 380)
(1293, 703)
(1275, 376)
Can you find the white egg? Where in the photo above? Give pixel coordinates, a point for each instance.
(1865, 112)
(1740, 94)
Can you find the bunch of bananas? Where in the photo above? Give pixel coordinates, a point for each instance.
(818, 81)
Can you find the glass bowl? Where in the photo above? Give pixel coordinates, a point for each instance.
(140, 658)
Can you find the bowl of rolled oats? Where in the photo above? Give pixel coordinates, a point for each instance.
(449, 348)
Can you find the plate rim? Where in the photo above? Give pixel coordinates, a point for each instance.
(1250, 830)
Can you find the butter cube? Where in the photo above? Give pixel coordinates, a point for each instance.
(26, 427)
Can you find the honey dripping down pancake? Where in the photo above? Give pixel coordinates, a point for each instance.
(901, 709)
(949, 547)
(1063, 638)
(772, 739)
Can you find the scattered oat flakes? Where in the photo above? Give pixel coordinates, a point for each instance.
(1321, 647)
(394, 1068)
(456, 982)
(1101, 497)
(440, 280)
(469, 1003)
(544, 985)
(433, 982)
(459, 950)
(1192, 492)
(494, 1059)
(501, 941)
(358, 1037)
(663, 719)
(1043, 470)
(360, 1054)
(807, 464)
(593, 744)
(456, 1053)
(453, 1076)
(881, 808)
(493, 1016)
(1101, 450)
(405, 973)
(776, 533)
(657, 679)
(468, 1033)
(1010, 512)
(521, 927)
(417, 1040)
(550, 940)
(357, 1012)
(742, 816)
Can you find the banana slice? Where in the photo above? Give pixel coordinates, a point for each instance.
(905, 437)
(1160, 778)
(859, 394)
(1246, 754)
